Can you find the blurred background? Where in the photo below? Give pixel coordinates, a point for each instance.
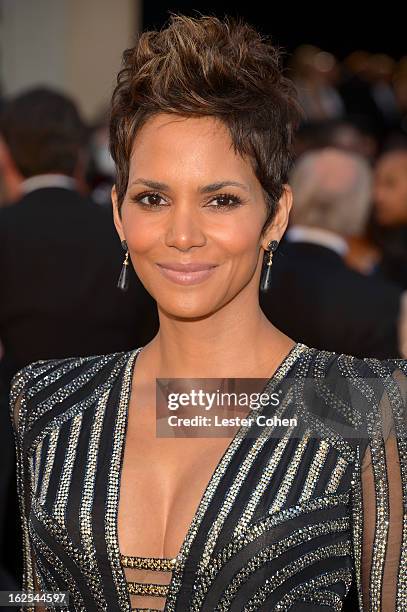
(342, 263)
(350, 68)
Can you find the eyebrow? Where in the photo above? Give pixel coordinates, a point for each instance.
(203, 189)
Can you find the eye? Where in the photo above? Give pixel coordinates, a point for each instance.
(149, 200)
(226, 200)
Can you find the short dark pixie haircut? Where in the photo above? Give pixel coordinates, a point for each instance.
(43, 131)
(204, 66)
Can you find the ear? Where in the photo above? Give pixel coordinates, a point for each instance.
(11, 176)
(116, 214)
(281, 218)
(4, 155)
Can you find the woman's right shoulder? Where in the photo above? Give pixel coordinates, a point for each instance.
(53, 385)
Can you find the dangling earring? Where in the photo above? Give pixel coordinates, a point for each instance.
(123, 282)
(266, 272)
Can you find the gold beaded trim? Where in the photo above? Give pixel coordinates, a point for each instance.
(147, 588)
(161, 564)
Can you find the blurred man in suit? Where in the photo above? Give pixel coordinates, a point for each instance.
(60, 256)
(345, 311)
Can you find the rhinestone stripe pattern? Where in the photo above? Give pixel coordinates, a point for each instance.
(44, 552)
(346, 365)
(263, 526)
(234, 490)
(86, 565)
(160, 564)
(309, 592)
(263, 483)
(176, 581)
(382, 515)
(143, 588)
(24, 396)
(63, 392)
(280, 576)
(114, 487)
(336, 475)
(290, 474)
(357, 522)
(49, 579)
(85, 517)
(286, 507)
(76, 408)
(398, 403)
(314, 471)
(65, 482)
(322, 598)
(352, 415)
(36, 467)
(334, 439)
(18, 405)
(266, 555)
(49, 462)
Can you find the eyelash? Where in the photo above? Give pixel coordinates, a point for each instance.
(234, 200)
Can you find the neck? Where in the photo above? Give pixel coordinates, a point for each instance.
(235, 341)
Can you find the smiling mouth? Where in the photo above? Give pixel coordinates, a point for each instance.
(184, 275)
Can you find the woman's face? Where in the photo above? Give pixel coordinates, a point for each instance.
(390, 189)
(192, 200)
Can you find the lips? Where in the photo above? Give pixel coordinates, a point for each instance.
(186, 274)
(189, 267)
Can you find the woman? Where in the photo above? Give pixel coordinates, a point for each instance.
(272, 517)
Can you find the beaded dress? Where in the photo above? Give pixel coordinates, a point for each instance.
(290, 517)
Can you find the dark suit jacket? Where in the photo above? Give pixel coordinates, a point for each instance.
(316, 299)
(60, 258)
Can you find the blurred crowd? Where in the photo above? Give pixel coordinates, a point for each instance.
(368, 90)
(339, 277)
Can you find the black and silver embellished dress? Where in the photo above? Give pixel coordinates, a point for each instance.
(290, 517)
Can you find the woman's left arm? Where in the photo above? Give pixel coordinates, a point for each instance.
(383, 529)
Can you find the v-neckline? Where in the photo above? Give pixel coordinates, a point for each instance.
(182, 557)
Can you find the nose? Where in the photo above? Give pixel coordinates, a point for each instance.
(184, 227)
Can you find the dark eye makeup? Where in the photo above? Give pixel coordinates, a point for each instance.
(228, 200)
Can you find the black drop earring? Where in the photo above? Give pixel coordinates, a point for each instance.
(266, 271)
(123, 282)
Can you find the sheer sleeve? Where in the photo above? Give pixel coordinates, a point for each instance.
(381, 537)
(18, 411)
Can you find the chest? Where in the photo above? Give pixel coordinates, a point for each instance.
(162, 482)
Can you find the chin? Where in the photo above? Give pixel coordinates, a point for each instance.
(187, 309)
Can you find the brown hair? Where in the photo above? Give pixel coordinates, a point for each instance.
(43, 131)
(207, 67)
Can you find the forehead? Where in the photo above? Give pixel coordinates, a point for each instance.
(393, 163)
(194, 147)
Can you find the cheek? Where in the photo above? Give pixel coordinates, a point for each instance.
(397, 198)
(387, 196)
(235, 235)
(141, 230)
